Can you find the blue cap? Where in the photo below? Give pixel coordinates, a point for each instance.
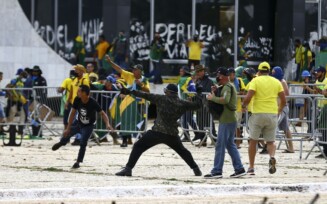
(305, 73)
(279, 74)
(19, 71)
(111, 79)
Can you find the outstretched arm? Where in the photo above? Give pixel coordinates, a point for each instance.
(153, 98)
(115, 66)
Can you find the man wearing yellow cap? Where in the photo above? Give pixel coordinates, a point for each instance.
(80, 79)
(265, 90)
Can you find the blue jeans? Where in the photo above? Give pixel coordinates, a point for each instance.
(225, 140)
(85, 131)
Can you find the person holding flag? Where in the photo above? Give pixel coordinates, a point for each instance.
(131, 107)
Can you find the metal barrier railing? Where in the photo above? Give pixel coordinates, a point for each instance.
(129, 115)
(43, 108)
(200, 122)
(18, 101)
(320, 126)
(298, 114)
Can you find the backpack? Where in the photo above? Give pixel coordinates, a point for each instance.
(216, 109)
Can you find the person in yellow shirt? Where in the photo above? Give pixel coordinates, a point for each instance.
(134, 81)
(100, 50)
(66, 86)
(194, 51)
(80, 79)
(299, 51)
(322, 123)
(265, 90)
(307, 58)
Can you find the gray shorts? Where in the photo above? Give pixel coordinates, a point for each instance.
(265, 124)
(283, 119)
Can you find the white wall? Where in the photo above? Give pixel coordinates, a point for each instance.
(21, 46)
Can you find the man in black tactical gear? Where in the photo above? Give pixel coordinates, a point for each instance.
(169, 109)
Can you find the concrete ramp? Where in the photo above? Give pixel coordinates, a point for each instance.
(21, 46)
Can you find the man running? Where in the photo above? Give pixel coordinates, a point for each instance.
(87, 108)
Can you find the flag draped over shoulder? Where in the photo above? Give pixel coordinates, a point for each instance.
(129, 114)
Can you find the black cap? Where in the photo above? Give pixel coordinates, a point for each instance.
(36, 68)
(223, 71)
(171, 88)
(231, 70)
(138, 66)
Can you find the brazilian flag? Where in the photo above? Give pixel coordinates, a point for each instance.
(114, 112)
(130, 114)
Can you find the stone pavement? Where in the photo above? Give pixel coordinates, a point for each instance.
(34, 173)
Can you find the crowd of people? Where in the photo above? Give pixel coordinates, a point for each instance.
(124, 107)
(19, 95)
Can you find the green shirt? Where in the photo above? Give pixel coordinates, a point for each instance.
(228, 98)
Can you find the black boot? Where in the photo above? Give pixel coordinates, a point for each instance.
(197, 171)
(124, 144)
(126, 171)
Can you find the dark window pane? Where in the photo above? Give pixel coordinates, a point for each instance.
(67, 27)
(256, 18)
(44, 21)
(92, 24)
(215, 26)
(139, 33)
(26, 6)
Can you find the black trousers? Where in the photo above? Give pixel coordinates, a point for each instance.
(152, 138)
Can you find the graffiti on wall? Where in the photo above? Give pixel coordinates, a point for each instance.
(138, 41)
(91, 30)
(258, 47)
(218, 44)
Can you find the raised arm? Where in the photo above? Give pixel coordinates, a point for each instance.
(153, 98)
(115, 66)
(193, 105)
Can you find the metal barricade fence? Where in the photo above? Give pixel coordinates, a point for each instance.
(46, 105)
(303, 114)
(127, 114)
(16, 109)
(320, 126)
(200, 121)
(49, 108)
(304, 88)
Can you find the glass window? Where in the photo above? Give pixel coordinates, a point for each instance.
(92, 24)
(44, 21)
(324, 18)
(215, 26)
(67, 27)
(26, 6)
(256, 30)
(139, 33)
(173, 21)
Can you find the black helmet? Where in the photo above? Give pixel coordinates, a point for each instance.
(250, 72)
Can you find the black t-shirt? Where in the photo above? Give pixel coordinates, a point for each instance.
(86, 112)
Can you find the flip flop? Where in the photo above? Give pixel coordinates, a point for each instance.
(287, 151)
